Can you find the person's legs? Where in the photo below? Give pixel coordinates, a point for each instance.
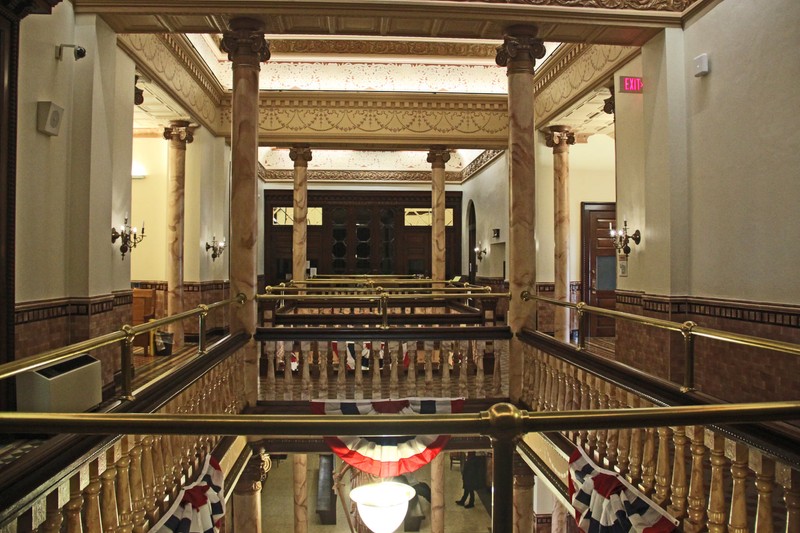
(463, 498)
(470, 495)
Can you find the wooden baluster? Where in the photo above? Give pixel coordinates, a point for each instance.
(377, 377)
(480, 378)
(601, 446)
(341, 379)
(547, 388)
(790, 480)
(561, 385)
(395, 360)
(305, 360)
(446, 349)
(572, 396)
(139, 514)
(72, 510)
(92, 521)
(410, 348)
(662, 489)
(649, 461)
(534, 369)
(696, 513)
(428, 354)
(270, 347)
(634, 473)
(358, 393)
(109, 511)
(159, 471)
(717, 516)
(679, 486)
(324, 368)
(500, 355)
(288, 385)
(123, 488)
(463, 368)
(623, 441)
(738, 455)
(764, 468)
(612, 438)
(585, 404)
(56, 500)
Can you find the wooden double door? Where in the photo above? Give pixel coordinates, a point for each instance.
(599, 264)
(358, 232)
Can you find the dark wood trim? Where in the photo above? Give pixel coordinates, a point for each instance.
(396, 320)
(446, 333)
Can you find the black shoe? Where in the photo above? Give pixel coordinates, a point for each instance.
(459, 502)
(469, 506)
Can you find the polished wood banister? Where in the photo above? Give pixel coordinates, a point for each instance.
(394, 334)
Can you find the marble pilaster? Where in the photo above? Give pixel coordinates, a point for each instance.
(246, 48)
(301, 155)
(300, 471)
(559, 138)
(437, 157)
(437, 494)
(247, 494)
(518, 53)
(523, 496)
(179, 134)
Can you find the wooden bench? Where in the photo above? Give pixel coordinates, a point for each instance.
(144, 310)
(326, 498)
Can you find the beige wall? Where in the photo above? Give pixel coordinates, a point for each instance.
(149, 204)
(57, 176)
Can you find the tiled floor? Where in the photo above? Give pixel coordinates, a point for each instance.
(278, 505)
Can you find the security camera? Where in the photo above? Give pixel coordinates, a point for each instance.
(79, 51)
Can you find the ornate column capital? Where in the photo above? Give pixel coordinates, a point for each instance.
(179, 130)
(255, 473)
(245, 41)
(300, 154)
(559, 138)
(520, 49)
(438, 156)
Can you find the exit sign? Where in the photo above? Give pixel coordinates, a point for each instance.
(630, 84)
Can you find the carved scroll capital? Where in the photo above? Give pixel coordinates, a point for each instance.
(559, 138)
(245, 41)
(179, 131)
(255, 473)
(300, 154)
(438, 156)
(520, 49)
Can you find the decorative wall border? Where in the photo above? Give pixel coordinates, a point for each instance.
(149, 284)
(41, 310)
(357, 175)
(550, 287)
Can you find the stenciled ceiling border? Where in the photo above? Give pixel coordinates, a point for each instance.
(316, 176)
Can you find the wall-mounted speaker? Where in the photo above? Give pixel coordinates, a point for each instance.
(48, 117)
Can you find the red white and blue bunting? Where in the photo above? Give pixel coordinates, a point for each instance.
(605, 502)
(388, 456)
(199, 507)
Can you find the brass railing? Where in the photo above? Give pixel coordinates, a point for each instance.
(504, 424)
(125, 336)
(688, 329)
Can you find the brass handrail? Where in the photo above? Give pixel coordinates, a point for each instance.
(688, 329)
(374, 297)
(459, 290)
(125, 335)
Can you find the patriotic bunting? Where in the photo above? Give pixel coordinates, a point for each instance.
(605, 502)
(388, 456)
(199, 507)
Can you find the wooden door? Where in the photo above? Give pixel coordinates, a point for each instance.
(598, 264)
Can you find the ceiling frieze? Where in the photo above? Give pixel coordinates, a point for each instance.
(316, 176)
(479, 162)
(677, 6)
(586, 68)
(391, 120)
(165, 60)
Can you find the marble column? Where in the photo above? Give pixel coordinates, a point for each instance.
(301, 155)
(247, 494)
(179, 134)
(246, 48)
(300, 471)
(559, 138)
(437, 157)
(523, 496)
(437, 494)
(518, 53)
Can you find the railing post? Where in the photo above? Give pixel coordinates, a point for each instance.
(688, 346)
(201, 332)
(127, 363)
(385, 310)
(504, 419)
(581, 326)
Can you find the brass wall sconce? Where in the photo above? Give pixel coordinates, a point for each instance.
(480, 252)
(216, 247)
(128, 237)
(621, 238)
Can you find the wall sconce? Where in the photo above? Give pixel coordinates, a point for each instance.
(216, 247)
(480, 252)
(78, 52)
(621, 238)
(128, 236)
(496, 233)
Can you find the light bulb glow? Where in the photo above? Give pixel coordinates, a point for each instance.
(382, 506)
